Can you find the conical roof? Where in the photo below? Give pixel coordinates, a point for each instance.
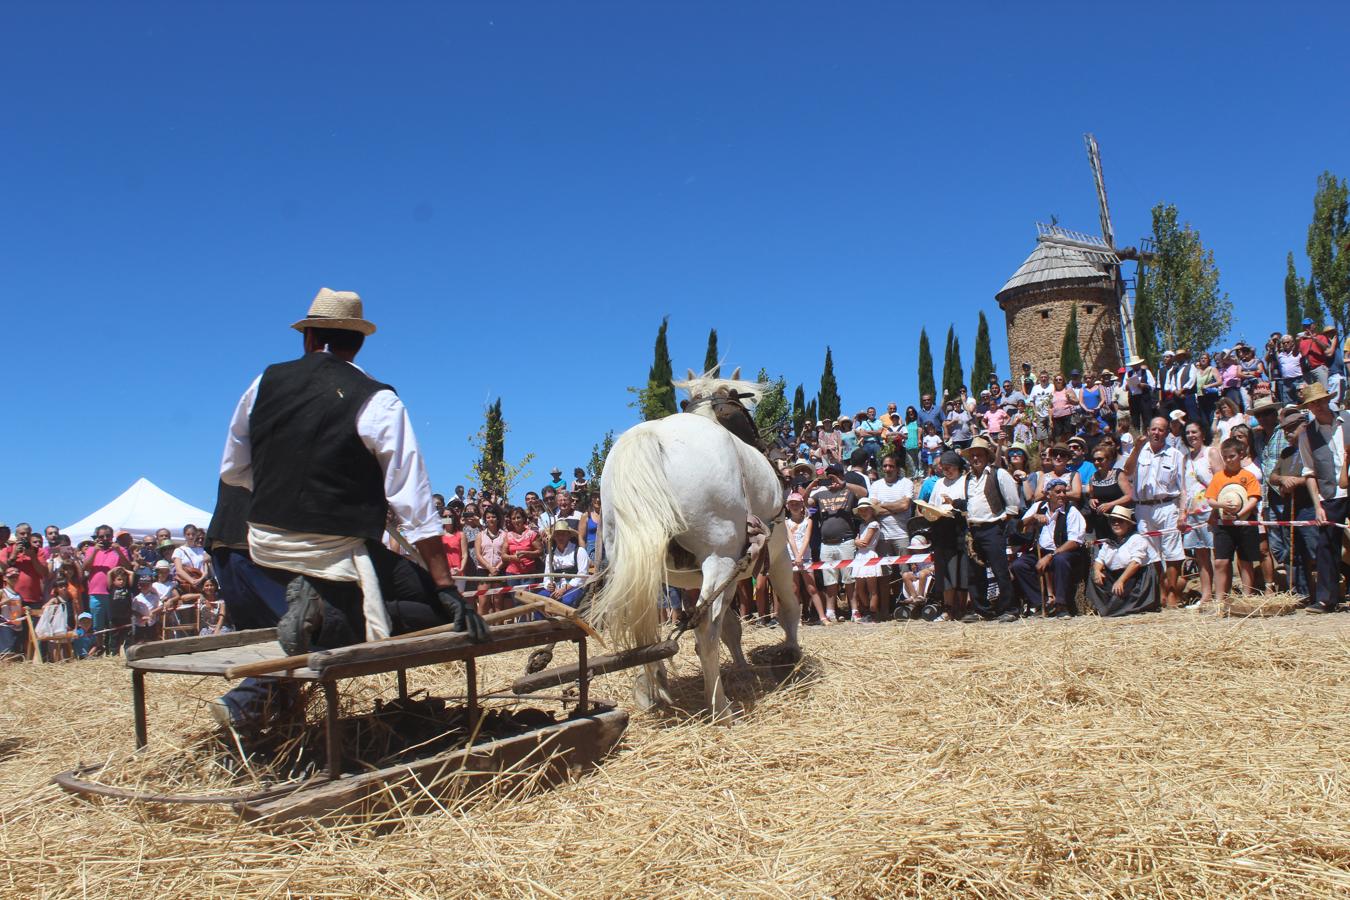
(1059, 259)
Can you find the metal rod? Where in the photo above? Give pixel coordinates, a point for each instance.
(583, 679)
(138, 705)
(471, 691)
(334, 730)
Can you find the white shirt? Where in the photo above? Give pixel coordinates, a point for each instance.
(1041, 397)
(977, 505)
(1133, 549)
(1136, 380)
(1157, 475)
(1335, 438)
(162, 589)
(143, 607)
(879, 490)
(1075, 525)
(384, 427)
(191, 557)
(559, 559)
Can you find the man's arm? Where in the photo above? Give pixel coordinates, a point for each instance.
(1132, 460)
(236, 462)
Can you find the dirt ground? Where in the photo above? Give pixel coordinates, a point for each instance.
(1169, 754)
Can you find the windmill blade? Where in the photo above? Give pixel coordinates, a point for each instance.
(1095, 158)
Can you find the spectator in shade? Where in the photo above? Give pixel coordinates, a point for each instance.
(1122, 583)
(1321, 446)
(1059, 530)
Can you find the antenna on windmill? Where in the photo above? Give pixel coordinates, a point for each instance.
(1109, 238)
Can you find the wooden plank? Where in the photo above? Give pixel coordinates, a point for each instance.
(195, 644)
(220, 661)
(385, 656)
(563, 748)
(627, 659)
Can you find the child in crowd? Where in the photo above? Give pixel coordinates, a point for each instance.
(12, 626)
(119, 611)
(83, 641)
(866, 575)
(932, 446)
(147, 610)
(1231, 539)
(799, 553)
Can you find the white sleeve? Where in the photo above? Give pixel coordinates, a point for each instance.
(583, 564)
(1075, 525)
(236, 463)
(385, 429)
(1305, 452)
(1138, 548)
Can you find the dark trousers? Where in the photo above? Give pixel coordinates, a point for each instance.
(1066, 576)
(410, 599)
(253, 599)
(991, 543)
(1329, 538)
(1299, 557)
(1141, 409)
(1191, 406)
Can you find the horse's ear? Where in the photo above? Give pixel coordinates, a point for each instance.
(736, 375)
(691, 374)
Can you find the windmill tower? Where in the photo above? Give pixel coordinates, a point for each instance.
(1070, 270)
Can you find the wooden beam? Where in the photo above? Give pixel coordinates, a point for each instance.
(176, 646)
(627, 659)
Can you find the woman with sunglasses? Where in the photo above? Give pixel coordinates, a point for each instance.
(1063, 403)
(1060, 457)
(1109, 488)
(1197, 470)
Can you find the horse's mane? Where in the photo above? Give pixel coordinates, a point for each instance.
(706, 385)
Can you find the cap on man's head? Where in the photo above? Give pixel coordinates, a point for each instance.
(1307, 322)
(162, 564)
(1075, 373)
(84, 615)
(555, 471)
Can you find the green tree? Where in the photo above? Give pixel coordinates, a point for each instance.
(829, 389)
(983, 366)
(772, 410)
(947, 365)
(1181, 287)
(711, 364)
(492, 471)
(1145, 329)
(1329, 248)
(1293, 293)
(798, 409)
(657, 399)
(958, 371)
(926, 383)
(812, 415)
(600, 453)
(1070, 357)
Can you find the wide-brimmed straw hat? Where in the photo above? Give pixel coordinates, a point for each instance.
(562, 525)
(1123, 513)
(1311, 393)
(978, 443)
(1135, 361)
(1264, 404)
(930, 512)
(1231, 497)
(872, 504)
(336, 309)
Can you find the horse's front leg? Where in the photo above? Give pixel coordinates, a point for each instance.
(718, 583)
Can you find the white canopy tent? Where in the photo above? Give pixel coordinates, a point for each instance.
(141, 509)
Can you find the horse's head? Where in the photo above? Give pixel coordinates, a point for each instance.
(708, 392)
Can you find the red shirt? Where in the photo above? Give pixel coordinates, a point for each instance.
(453, 557)
(1315, 348)
(32, 573)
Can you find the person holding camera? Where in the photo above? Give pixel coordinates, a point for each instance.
(99, 561)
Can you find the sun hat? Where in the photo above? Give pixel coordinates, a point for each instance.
(872, 504)
(166, 545)
(162, 564)
(336, 309)
(795, 497)
(1076, 439)
(84, 615)
(918, 542)
(1135, 361)
(1291, 415)
(1264, 404)
(1167, 353)
(930, 512)
(1177, 415)
(1231, 497)
(1019, 448)
(563, 525)
(842, 419)
(979, 443)
(1124, 513)
(555, 471)
(1326, 328)
(803, 464)
(1061, 448)
(1311, 393)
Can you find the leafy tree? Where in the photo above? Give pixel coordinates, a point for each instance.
(1181, 287)
(1296, 298)
(1329, 249)
(926, 384)
(983, 366)
(798, 410)
(1145, 329)
(600, 453)
(492, 471)
(829, 389)
(711, 364)
(772, 410)
(657, 399)
(1070, 357)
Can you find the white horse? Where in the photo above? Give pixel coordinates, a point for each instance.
(686, 484)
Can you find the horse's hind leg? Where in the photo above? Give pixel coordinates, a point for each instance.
(731, 637)
(718, 581)
(780, 576)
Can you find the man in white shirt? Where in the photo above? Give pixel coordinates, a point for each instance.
(895, 493)
(1322, 449)
(1140, 384)
(1156, 472)
(990, 500)
(1059, 559)
(1042, 396)
(329, 453)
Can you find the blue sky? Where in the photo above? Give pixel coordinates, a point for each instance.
(521, 191)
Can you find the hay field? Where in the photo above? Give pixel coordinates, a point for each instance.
(1166, 754)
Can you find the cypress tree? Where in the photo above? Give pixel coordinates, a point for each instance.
(657, 399)
(926, 383)
(711, 364)
(1293, 297)
(1329, 250)
(957, 373)
(798, 410)
(829, 389)
(812, 415)
(947, 367)
(1070, 357)
(983, 366)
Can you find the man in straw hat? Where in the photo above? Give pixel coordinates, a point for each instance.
(1059, 560)
(1140, 384)
(1290, 499)
(330, 456)
(1155, 470)
(1321, 446)
(990, 499)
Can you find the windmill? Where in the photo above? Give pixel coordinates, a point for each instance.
(1141, 258)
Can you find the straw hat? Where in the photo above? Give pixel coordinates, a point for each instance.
(1312, 393)
(979, 443)
(562, 525)
(1135, 361)
(1263, 404)
(1123, 513)
(918, 542)
(803, 464)
(872, 504)
(1231, 497)
(336, 309)
(930, 512)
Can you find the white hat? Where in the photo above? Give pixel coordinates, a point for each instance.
(336, 309)
(1231, 497)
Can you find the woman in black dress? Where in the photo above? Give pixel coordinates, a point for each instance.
(1107, 489)
(947, 536)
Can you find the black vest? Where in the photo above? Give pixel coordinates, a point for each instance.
(311, 472)
(229, 523)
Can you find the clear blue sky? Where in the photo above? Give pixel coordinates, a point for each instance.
(521, 191)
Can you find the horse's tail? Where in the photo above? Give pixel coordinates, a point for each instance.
(641, 517)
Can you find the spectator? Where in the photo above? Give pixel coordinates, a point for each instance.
(1321, 446)
(1289, 499)
(1290, 372)
(848, 438)
(799, 528)
(1059, 531)
(1106, 490)
(957, 425)
(835, 502)
(565, 565)
(928, 414)
(830, 444)
(1229, 509)
(1060, 456)
(1123, 583)
(1140, 384)
(1228, 415)
(455, 549)
(100, 560)
(523, 549)
(869, 432)
(1156, 473)
(1196, 475)
(1315, 351)
(556, 482)
(866, 601)
(1063, 402)
(488, 552)
(189, 561)
(1208, 390)
(580, 486)
(13, 625)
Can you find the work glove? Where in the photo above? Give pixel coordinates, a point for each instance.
(463, 615)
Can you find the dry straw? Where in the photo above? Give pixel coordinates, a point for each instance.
(1171, 755)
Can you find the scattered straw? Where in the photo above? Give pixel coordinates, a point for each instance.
(1168, 754)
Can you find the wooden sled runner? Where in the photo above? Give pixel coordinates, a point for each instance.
(546, 748)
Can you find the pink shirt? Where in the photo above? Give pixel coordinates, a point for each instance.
(1060, 404)
(995, 419)
(97, 564)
